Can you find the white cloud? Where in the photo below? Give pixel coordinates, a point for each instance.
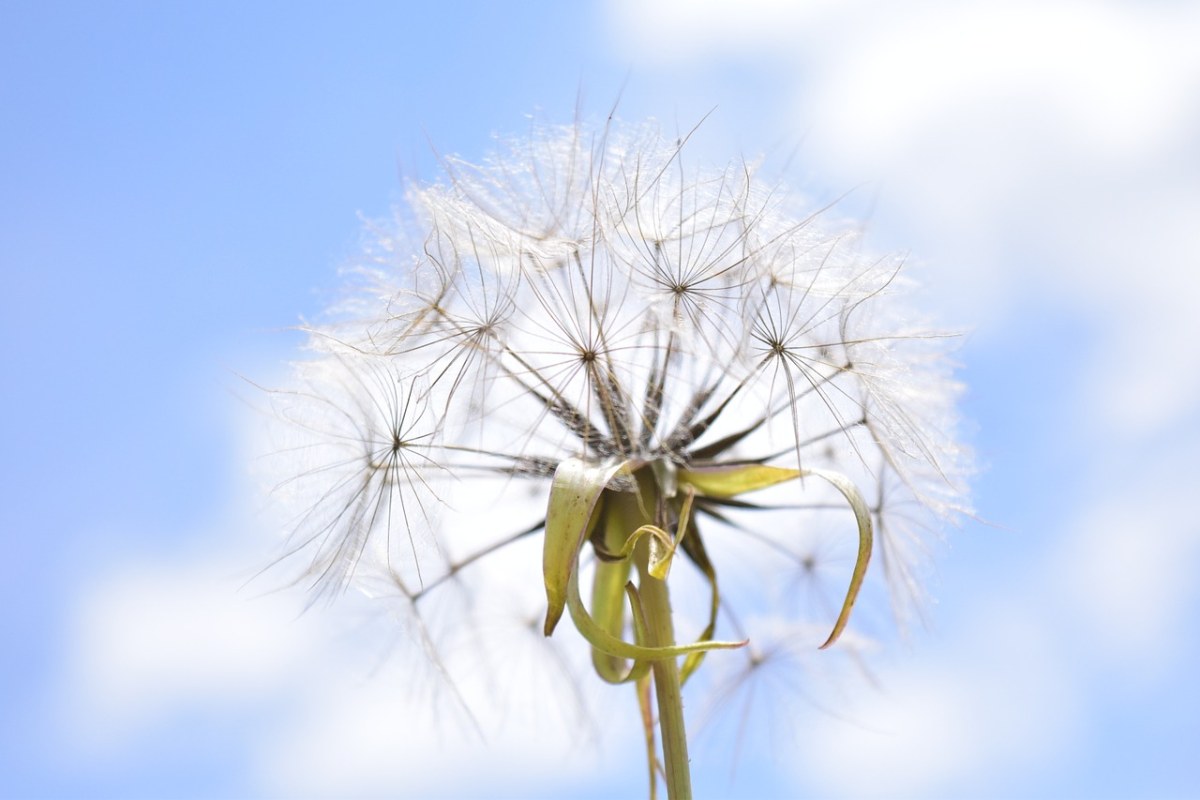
(150, 638)
(961, 720)
(1126, 570)
(936, 71)
(332, 709)
(382, 738)
(1001, 131)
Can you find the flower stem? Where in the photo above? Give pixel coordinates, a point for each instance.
(647, 709)
(656, 603)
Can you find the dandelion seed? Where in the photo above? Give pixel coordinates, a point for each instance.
(594, 343)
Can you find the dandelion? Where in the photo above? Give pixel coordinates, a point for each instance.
(589, 346)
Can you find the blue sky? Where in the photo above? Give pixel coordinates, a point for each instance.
(181, 182)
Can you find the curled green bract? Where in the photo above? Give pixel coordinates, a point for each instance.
(662, 546)
(575, 507)
(730, 481)
(577, 504)
(605, 642)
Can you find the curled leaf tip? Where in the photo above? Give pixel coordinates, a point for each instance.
(731, 481)
(862, 516)
(605, 642)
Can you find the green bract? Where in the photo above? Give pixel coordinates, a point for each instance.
(580, 499)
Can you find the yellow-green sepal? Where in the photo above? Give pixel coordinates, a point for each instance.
(571, 514)
(731, 481)
(609, 594)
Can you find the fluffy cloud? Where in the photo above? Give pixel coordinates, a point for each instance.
(1026, 150)
(957, 722)
(337, 702)
(150, 637)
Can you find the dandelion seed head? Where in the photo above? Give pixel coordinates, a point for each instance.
(592, 293)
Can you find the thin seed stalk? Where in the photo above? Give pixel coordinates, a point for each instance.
(647, 508)
(656, 604)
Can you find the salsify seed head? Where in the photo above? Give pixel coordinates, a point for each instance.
(591, 296)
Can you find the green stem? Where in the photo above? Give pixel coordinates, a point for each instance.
(656, 602)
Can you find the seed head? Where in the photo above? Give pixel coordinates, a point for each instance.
(588, 312)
